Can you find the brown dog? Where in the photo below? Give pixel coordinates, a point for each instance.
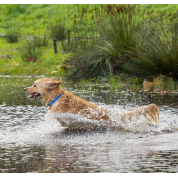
(62, 101)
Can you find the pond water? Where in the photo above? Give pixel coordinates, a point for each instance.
(31, 142)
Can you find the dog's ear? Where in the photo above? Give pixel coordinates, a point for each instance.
(53, 85)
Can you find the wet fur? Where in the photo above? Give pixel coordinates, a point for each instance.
(69, 103)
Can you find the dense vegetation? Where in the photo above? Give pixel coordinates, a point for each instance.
(94, 41)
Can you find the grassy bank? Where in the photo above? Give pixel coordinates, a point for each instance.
(49, 64)
(87, 51)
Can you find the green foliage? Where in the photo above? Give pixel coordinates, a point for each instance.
(41, 41)
(12, 35)
(104, 40)
(158, 54)
(57, 30)
(30, 51)
(115, 45)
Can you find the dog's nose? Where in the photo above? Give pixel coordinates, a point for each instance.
(25, 89)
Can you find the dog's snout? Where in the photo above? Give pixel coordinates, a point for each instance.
(25, 89)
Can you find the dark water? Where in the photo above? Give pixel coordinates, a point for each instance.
(29, 142)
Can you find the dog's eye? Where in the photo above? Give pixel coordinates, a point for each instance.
(34, 85)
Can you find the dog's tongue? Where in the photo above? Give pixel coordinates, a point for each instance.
(32, 95)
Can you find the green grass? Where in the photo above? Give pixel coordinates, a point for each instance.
(12, 64)
(32, 20)
(12, 35)
(116, 44)
(35, 17)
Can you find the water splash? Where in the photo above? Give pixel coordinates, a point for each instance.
(136, 125)
(27, 124)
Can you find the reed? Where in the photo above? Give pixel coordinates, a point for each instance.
(41, 41)
(57, 30)
(158, 53)
(107, 53)
(30, 51)
(12, 35)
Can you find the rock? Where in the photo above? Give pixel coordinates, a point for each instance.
(148, 86)
(164, 83)
(161, 84)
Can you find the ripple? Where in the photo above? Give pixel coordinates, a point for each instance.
(29, 142)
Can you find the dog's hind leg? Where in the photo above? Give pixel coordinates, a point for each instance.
(152, 113)
(149, 112)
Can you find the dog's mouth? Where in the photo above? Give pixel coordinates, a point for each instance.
(34, 95)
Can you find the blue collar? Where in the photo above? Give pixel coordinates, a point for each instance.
(53, 101)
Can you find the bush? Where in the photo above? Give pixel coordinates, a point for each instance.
(158, 54)
(106, 55)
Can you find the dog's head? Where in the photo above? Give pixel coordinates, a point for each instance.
(42, 87)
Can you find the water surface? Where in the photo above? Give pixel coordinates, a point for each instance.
(31, 142)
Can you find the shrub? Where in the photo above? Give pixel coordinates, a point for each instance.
(106, 55)
(158, 54)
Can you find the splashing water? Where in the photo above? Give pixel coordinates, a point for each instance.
(32, 125)
(31, 143)
(136, 125)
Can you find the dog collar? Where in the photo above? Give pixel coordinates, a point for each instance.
(53, 101)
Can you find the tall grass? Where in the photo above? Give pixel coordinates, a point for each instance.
(115, 45)
(57, 30)
(12, 35)
(131, 41)
(30, 51)
(158, 54)
(104, 40)
(41, 41)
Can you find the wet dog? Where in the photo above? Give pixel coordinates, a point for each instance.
(61, 101)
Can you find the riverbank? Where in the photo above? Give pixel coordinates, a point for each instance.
(33, 52)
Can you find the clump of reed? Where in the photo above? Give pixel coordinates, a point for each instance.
(158, 53)
(106, 54)
(57, 30)
(126, 40)
(12, 34)
(30, 51)
(41, 41)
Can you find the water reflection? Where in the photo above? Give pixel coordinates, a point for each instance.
(29, 143)
(21, 159)
(128, 155)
